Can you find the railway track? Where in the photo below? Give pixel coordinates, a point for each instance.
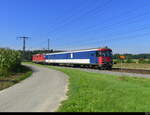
(119, 72)
(123, 70)
(138, 71)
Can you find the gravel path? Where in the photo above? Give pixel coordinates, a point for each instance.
(42, 92)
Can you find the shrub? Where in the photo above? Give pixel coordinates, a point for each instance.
(129, 61)
(143, 61)
(9, 61)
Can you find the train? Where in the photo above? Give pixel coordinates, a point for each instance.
(101, 58)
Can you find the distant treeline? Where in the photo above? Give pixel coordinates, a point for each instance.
(133, 56)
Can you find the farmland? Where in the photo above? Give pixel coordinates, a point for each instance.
(94, 92)
(91, 92)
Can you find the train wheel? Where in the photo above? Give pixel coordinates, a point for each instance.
(102, 68)
(110, 68)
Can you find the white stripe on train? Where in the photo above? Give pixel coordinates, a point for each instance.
(82, 61)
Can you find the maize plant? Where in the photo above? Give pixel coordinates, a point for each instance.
(9, 61)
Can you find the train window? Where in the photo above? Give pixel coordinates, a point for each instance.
(71, 55)
(99, 54)
(92, 54)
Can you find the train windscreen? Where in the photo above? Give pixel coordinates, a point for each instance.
(104, 53)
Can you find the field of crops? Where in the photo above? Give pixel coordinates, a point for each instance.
(10, 60)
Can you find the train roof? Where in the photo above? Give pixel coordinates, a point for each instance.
(82, 50)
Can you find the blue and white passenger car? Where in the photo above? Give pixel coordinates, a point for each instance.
(101, 57)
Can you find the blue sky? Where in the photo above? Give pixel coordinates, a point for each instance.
(123, 25)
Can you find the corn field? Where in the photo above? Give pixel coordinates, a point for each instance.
(9, 61)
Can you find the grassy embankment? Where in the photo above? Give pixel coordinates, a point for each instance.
(11, 70)
(92, 92)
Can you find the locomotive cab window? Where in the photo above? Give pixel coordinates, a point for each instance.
(104, 54)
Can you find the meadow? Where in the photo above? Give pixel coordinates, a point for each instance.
(93, 92)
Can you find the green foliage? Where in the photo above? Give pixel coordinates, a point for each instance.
(116, 61)
(10, 60)
(129, 61)
(22, 73)
(140, 61)
(144, 61)
(132, 56)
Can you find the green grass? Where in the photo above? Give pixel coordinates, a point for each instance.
(15, 77)
(105, 93)
(92, 92)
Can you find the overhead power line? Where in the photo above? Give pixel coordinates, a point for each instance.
(127, 12)
(107, 26)
(89, 11)
(114, 38)
(80, 8)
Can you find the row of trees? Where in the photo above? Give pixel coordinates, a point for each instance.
(133, 56)
(143, 61)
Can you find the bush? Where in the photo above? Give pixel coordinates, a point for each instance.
(129, 61)
(119, 61)
(9, 61)
(144, 61)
